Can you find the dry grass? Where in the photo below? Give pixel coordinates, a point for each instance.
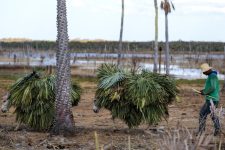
(183, 138)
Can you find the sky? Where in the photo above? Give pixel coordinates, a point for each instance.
(192, 20)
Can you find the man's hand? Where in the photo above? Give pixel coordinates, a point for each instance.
(201, 92)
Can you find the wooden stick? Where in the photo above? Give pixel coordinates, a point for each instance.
(96, 140)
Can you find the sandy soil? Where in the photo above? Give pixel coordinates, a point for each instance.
(113, 135)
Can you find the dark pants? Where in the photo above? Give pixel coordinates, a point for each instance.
(204, 112)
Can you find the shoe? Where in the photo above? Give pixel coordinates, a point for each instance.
(198, 132)
(217, 132)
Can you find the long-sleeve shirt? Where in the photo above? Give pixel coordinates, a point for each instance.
(212, 87)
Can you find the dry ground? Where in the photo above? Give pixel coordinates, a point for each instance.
(114, 135)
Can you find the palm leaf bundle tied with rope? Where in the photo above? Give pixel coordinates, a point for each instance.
(134, 97)
(33, 97)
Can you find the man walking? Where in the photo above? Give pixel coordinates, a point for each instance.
(211, 93)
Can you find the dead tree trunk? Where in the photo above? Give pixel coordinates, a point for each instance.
(160, 58)
(156, 38)
(121, 36)
(223, 89)
(28, 55)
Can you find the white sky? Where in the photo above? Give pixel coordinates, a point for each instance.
(196, 20)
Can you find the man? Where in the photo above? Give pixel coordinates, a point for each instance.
(211, 93)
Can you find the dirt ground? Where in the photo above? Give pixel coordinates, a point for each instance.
(182, 122)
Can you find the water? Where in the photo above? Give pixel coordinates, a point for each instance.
(182, 73)
(44, 59)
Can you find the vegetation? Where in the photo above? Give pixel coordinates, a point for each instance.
(33, 97)
(112, 46)
(133, 97)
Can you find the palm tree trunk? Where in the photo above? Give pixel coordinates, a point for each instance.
(167, 45)
(64, 122)
(156, 38)
(121, 36)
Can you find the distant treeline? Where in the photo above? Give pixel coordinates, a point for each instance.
(112, 46)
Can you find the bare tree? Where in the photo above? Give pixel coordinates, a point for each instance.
(121, 36)
(28, 55)
(64, 122)
(223, 89)
(156, 38)
(160, 58)
(166, 6)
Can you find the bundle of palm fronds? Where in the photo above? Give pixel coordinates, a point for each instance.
(34, 100)
(134, 97)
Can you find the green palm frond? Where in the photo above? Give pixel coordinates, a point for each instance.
(168, 84)
(154, 113)
(132, 97)
(34, 99)
(75, 92)
(142, 90)
(109, 76)
(166, 6)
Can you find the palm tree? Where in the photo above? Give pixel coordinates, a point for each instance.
(156, 38)
(64, 122)
(121, 36)
(166, 6)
